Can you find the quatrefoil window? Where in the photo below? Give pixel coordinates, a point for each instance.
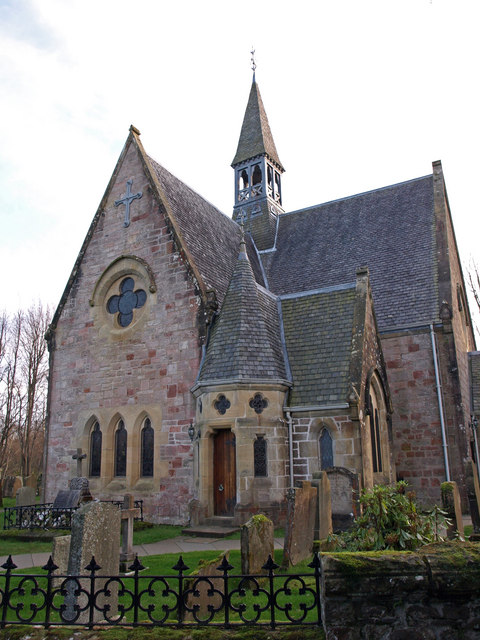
(222, 404)
(125, 303)
(258, 403)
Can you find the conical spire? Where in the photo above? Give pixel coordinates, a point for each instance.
(243, 345)
(255, 137)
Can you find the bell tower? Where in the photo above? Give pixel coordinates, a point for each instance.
(258, 174)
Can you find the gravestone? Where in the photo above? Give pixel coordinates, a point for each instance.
(323, 519)
(75, 495)
(128, 515)
(452, 505)
(26, 496)
(201, 596)
(60, 555)
(95, 533)
(301, 512)
(256, 544)
(344, 491)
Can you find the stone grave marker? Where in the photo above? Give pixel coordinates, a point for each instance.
(128, 515)
(323, 519)
(256, 544)
(26, 496)
(201, 595)
(60, 554)
(344, 491)
(75, 495)
(95, 533)
(301, 511)
(452, 505)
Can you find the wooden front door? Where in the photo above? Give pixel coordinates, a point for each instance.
(224, 473)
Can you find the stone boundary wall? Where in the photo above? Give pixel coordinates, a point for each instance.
(430, 595)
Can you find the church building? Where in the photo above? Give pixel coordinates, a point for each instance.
(208, 363)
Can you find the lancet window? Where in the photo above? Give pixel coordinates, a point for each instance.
(147, 445)
(121, 450)
(95, 451)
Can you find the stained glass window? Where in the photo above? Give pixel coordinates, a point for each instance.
(95, 451)
(121, 450)
(147, 449)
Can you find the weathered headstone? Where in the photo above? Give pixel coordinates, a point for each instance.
(323, 519)
(75, 495)
(256, 544)
(452, 505)
(60, 555)
(201, 596)
(95, 533)
(128, 515)
(26, 496)
(301, 510)
(344, 491)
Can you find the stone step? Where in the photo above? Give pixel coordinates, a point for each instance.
(209, 531)
(220, 521)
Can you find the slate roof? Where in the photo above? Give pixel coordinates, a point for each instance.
(318, 336)
(245, 341)
(212, 238)
(256, 137)
(390, 230)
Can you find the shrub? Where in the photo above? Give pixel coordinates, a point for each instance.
(390, 520)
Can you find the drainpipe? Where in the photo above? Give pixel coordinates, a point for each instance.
(440, 403)
(290, 445)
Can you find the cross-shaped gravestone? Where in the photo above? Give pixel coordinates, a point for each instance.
(126, 200)
(79, 456)
(129, 513)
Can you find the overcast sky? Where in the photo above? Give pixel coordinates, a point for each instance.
(359, 95)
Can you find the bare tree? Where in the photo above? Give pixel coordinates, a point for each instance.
(10, 332)
(34, 378)
(473, 276)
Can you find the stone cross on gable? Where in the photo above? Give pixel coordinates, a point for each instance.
(79, 456)
(126, 200)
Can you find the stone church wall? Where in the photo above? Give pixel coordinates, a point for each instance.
(416, 422)
(103, 372)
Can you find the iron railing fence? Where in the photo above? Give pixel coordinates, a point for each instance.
(46, 516)
(137, 600)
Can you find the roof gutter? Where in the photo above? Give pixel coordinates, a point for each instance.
(440, 403)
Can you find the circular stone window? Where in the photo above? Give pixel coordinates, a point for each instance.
(124, 304)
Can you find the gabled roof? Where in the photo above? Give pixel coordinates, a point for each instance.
(318, 335)
(390, 230)
(245, 341)
(255, 137)
(212, 239)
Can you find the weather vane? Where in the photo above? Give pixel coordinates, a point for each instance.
(254, 64)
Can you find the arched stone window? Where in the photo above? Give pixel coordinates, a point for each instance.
(256, 175)
(147, 444)
(374, 402)
(326, 449)
(95, 451)
(121, 450)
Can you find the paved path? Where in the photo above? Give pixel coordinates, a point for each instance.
(182, 544)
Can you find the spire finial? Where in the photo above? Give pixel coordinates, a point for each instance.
(254, 64)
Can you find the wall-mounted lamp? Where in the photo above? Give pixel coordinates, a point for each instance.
(191, 433)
